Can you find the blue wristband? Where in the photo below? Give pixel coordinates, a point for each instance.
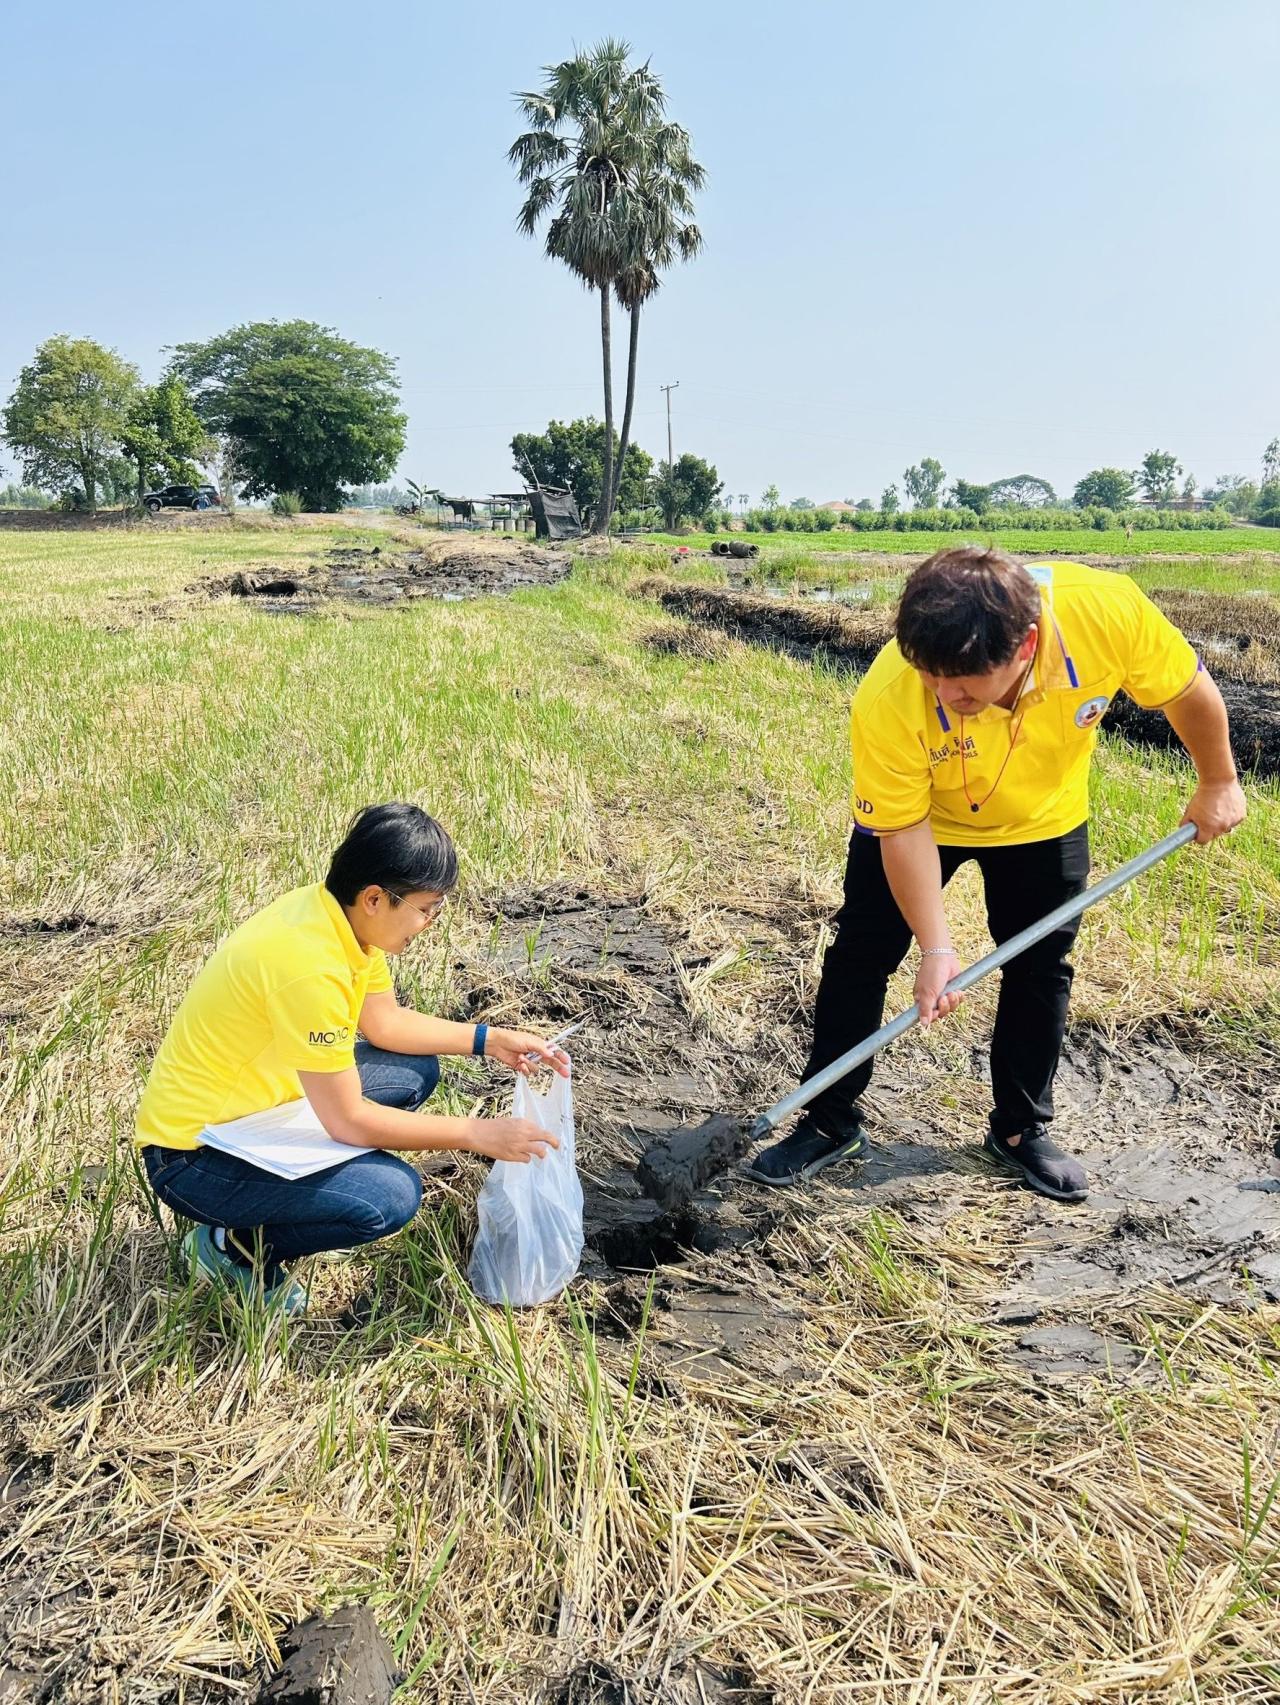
(481, 1037)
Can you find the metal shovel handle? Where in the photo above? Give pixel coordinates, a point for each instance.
(801, 1097)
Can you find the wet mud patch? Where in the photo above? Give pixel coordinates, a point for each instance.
(843, 638)
(372, 575)
(1180, 1150)
(647, 1074)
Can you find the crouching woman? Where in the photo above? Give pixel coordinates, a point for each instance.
(299, 1002)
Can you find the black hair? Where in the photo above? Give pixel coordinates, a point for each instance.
(396, 847)
(966, 611)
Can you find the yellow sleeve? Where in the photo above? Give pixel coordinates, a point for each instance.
(891, 782)
(379, 974)
(1157, 660)
(311, 1022)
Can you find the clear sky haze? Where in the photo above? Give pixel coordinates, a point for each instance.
(1018, 237)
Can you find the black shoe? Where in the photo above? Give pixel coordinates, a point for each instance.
(806, 1151)
(1045, 1166)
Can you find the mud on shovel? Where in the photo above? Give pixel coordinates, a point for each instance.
(676, 1167)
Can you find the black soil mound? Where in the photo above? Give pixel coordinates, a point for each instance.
(372, 575)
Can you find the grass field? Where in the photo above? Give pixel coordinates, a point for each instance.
(545, 1506)
(1079, 541)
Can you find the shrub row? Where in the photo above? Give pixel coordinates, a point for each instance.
(968, 520)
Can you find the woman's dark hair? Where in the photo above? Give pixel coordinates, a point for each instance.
(396, 847)
(966, 611)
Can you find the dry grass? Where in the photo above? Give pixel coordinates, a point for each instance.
(861, 1498)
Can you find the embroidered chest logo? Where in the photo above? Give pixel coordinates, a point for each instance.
(943, 754)
(1090, 712)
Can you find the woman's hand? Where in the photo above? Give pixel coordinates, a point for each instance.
(512, 1139)
(523, 1052)
(936, 971)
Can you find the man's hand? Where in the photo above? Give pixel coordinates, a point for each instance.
(936, 971)
(1216, 808)
(512, 1139)
(523, 1052)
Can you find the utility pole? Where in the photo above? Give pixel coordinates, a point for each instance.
(668, 389)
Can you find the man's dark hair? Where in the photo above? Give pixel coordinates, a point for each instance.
(396, 847)
(966, 611)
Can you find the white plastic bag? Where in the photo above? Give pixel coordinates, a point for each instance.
(529, 1242)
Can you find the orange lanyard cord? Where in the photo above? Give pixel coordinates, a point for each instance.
(977, 804)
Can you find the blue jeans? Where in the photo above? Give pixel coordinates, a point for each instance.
(358, 1201)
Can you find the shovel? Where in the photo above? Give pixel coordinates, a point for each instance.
(899, 1026)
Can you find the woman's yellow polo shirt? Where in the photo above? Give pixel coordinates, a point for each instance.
(913, 758)
(281, 995)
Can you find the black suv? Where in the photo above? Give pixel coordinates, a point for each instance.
(181, 497)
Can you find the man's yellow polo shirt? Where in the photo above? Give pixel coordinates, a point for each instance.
(281, 995)
(913, 758)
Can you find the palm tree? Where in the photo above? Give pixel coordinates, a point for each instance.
(599, 158)
(656, 215)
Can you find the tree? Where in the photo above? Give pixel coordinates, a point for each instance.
(1157, 475)
(769, 498)
(889, 500)
(1021, 491)
(864, 504)
(571, 455)
(14, 496)
(66, 414)
(1271, 463)
(307, 411)
(616, 179)
(1189, 490)
(966, 495)
(1236, 494)
(688, 491)
(1108, 488)
(162, 431)
(924, 483)
(803, 503)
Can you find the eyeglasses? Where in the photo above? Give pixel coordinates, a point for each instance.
(428, 914)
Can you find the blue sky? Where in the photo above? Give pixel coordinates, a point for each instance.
(1017, 237)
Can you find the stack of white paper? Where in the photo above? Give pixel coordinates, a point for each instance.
(288, 1141)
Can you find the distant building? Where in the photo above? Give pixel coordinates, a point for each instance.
(838, 507)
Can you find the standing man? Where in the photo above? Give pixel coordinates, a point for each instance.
(972, 733)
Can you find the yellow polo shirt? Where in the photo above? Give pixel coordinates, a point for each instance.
(913, 758)
(281, 995)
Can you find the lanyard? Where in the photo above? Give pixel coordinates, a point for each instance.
(977, 804)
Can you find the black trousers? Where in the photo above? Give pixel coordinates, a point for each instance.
(1021, 884)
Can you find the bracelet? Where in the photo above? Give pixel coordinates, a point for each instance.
(481, 1037)
(936, 952)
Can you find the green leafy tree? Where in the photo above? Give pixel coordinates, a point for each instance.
(1271, 463)
(1021, 491)
(966, 495)
(1189, 489)
(924, 483)
(14, 496)
(307, 411)
(571, 455)
(889, 500)
(769, 497)
(66, 414)
(688, 491)
(803, 503)
(163, 432)
(1158, 474)
(865, 505)
(1105, 488)
(614, 179)
(1236, 494)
